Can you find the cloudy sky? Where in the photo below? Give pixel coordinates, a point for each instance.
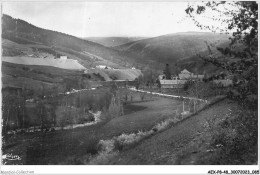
(89, 19)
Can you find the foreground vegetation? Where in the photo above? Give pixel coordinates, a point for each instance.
(79, 145)
(197, 140)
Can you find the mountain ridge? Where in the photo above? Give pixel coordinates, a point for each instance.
(113, 40)
(173, 48)
(22, 32)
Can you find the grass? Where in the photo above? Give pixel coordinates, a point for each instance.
(235, 139)
(108, 149)
(230, 140)
(164, 147)
(35, 78)
(77, 147)
(63, 147)
(130, 108)
(124, 141)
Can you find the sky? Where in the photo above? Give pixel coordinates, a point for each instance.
(104, 19)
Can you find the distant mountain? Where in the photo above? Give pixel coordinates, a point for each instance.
(113, 41)
(30, 59)
(150, 54)
(172, 48)
(22, 32)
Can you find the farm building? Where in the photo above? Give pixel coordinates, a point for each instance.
(103, 67)
(63, 57)
(180, 80)
(185, 74)
(161, 77)
(172, 83)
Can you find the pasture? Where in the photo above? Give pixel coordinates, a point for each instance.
(78, 146)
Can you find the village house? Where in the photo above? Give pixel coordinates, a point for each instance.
(63, 57)
(103, 67)
(185, 74)
(172, 83)
(180, 80)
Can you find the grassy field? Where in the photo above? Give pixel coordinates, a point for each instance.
(197, 140)
(37, 77)
(77, 146)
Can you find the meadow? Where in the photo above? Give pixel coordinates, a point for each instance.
(78, 146)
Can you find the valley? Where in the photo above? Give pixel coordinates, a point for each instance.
(125, 99)
(75, 146)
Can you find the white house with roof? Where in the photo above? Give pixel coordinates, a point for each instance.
(185, 74)
(172, 83)
(63, 57)
(180, 80)
(101, 66)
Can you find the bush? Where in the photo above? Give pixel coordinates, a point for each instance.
(187, 85)
(238, 139)
(164, 124)
(203, 89)
(115, 108)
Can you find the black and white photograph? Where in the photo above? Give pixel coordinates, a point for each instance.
(130, 83)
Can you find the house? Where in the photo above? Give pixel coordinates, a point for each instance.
(63, 57)
(172, 83)
(180, 80)
(185, 74)
(102, 67)
(161, 77)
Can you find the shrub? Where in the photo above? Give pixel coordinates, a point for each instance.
(127, 139)
(238, 139)
(115, 108)
(164, 124)
(106, 146)
(187, 85)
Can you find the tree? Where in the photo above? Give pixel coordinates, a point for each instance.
(167, 72)
(158, 83)
(240, 58)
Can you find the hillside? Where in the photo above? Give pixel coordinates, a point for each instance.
(22, 32)
(31, 59)
(113, 41)
(36, 77)
(63, 64)
(21, 39)
(117, 74)
(172, 48)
